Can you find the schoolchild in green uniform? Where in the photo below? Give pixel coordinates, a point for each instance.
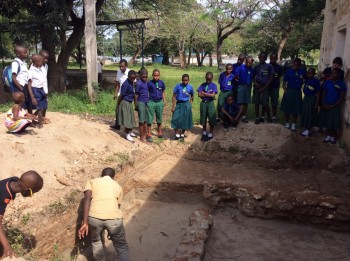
(207, 92)
(292, 97)
(182, 108)
(156, 90)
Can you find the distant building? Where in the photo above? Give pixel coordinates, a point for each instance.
(336, 42)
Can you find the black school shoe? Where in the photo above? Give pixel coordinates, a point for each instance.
(261, 119)
(204, 137)
(257, 121)
(245, 120)
(115, 126)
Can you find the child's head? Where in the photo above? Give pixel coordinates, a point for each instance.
(123, 64)
(229, 68)
(262, 57)
(185, 79)
(209, 77)
(273, 58)
(229, 100)
(240, 59)
(156, 74)
(21, 52)
(336, 74)
(37, 60)
(31, 182)
(143, 74)
(249, 61)
(45, 55)
(131, 75)
(296, 63)
(18, 97)
(108, 172)
(311, 73)
(337, 62)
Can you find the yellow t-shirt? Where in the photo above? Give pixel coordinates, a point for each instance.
(106, 195)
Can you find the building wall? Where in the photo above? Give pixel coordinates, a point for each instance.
(336, 42)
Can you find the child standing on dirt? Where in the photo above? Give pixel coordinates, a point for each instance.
(45, 56)
(244, 76)
(36, 84)
(29, 183)
(182, 108)
(310, 102)
(122, 75)
(207, 92)
(17, 118)
(126, 116)
(156, 88)
(226, 82)
(20, 72)
(292, 97)
(333, 94)
(141, 98)
(231, 113)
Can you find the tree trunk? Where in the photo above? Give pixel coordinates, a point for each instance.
(165, 57)
(136, 53)
(282, 42)
(210, 60)
(57, 70)
(189, 54)
(218, 52)
(182, 55)
(198, 56)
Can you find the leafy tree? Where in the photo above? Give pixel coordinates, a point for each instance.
(230, 16)
(56, 33)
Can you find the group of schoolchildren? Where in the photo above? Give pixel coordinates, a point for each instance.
(29, 91)
(240, 84)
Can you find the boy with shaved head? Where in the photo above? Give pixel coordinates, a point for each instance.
(20, 71)
(36, 86)
(29, 183)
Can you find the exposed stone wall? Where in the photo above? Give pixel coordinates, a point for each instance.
(336, 42)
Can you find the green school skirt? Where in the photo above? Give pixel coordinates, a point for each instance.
(308, 114)
(182, 116)
(292, 102)
(330, 119)
(222, 98)
(142, 111)
(244, 94)
(126, 116)
(207, 111)
(157, 108)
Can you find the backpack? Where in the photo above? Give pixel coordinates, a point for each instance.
(7, 77)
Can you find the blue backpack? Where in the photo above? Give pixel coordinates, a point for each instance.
(7, 77)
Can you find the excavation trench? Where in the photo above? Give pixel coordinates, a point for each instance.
(203, 208)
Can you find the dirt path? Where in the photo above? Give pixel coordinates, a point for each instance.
(73, 149)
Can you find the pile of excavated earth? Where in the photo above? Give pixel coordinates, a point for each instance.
(258, 192)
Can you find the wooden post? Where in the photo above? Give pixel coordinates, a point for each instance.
(90, 46)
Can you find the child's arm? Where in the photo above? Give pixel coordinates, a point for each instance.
(173, 102)
(191, 99)
(16, 117)
(135, 101)
(30, 90)
(7, 250)
(84, 229)
(164, 100)
(341, 98)
(236, 119)
(317, 100)
(117, 87)
(226, 113)
(16, 83)
(267, 84)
